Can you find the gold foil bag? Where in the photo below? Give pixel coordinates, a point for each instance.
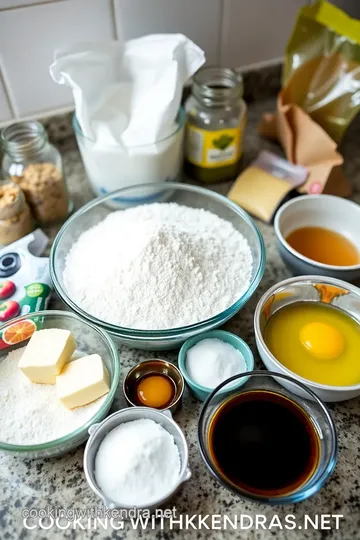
(322, 67)
(320, 96)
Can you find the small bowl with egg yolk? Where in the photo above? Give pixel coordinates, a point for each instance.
(308, 327)
(154, 383)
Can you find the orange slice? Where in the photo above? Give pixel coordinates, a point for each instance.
(18, 332)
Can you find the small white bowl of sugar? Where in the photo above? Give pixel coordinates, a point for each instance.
(210, 358)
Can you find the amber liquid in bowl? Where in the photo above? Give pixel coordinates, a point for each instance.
(263, 443)
(324, 246)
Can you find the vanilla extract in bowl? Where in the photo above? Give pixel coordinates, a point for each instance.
(263, 443)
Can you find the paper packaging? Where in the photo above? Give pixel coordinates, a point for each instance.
(320, 95)
(127, 99)
(321, 67)
(306, 143)
(21, 265)
(264, 185)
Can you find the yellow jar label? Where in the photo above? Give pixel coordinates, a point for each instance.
(211, 149)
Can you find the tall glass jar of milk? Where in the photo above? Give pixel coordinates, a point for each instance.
(110, 168)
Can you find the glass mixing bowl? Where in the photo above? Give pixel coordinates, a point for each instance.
(316, 411)
(187, 195)
(89, 339)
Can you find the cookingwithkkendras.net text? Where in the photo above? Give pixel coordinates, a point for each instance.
(169, 519)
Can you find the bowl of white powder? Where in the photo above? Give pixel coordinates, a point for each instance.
(153, 275)
(208, 359)
(34, 423)
(137, 457)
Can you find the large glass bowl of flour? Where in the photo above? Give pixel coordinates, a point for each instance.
(169, 270)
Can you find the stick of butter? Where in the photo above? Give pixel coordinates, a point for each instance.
(82, 381)
(46, 354)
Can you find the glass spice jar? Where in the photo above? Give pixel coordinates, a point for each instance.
(15, 217)
(216, 118)
(36, 166)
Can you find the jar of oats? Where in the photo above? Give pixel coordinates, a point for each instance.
(15, 217)
(35, 166)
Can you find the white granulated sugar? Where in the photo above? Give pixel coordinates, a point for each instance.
(137, 463)
(212, 361)
(32, 413)
(158, 266)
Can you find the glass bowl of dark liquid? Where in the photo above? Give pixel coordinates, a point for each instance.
(265, 443)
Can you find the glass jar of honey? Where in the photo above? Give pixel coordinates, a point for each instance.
(216, 118)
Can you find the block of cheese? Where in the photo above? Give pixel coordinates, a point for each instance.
(46, 354)
(82, 381)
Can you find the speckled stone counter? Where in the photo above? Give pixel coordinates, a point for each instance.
(60, 482)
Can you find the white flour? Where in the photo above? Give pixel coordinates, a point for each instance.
(137, 463)
(158, 266)
(32, 413)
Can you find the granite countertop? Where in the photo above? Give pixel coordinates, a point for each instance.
(60, 482)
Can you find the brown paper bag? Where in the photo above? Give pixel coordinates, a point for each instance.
(306, 143)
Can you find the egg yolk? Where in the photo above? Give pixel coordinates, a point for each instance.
(322, 340)
(155, 391)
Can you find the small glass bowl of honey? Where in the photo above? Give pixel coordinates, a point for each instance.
(154, 383)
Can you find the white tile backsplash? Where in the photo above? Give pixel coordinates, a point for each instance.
(352, 7)
(200, 20)
(9, 4)
(28, 39)
(256, 30)
(5, 112)
(237, 33)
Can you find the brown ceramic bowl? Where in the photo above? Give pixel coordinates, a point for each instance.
(156, 367)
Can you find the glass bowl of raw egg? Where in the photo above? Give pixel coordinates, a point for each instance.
(154, 383)
(310, 241)
(309, 328)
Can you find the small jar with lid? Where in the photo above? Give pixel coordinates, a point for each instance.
(15, 216)
(216, 118)
(36, 166)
